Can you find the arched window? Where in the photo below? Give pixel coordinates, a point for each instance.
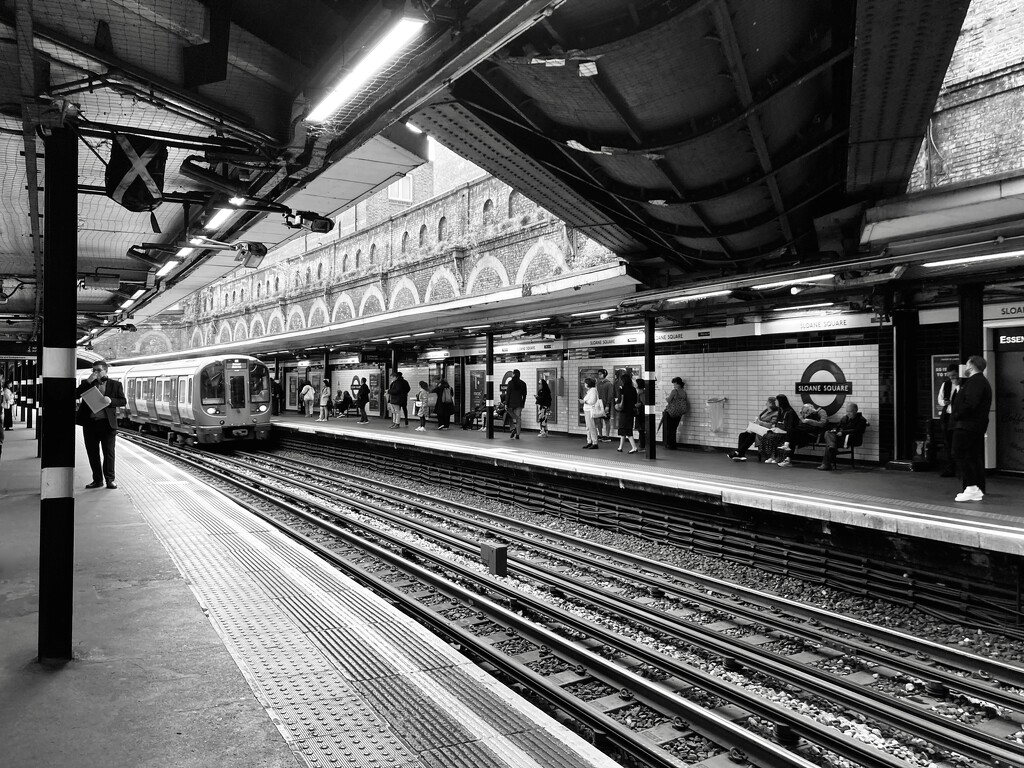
(344, 263)
(405, 241)
(513, 203)
(277, 284)
(298, 279)
(225, 299)
(423, 235)
(488, 210)
(241, 295)
(309, 275)
(359, 257)
(442, 229)
(373, 253)
(319, 271)
(259, 290)
(234, 297)
(268, 286)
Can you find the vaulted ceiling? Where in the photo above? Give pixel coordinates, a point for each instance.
(696, 138)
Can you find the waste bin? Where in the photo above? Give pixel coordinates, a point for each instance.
(716, 413)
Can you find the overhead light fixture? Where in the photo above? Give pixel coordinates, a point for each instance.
(592, 312)
(138, 293)
(219, 218)
(374, 341)
(183, 252)
(237, 201)
(970, 259)
(629, 330)
(403, 336)
(413, 127)
(386, 50)
(425, 333)
(476, 327)
(532, 320)
(699, 296)
(793, 281)
(169, 265)
(804, 306)
(127, 303)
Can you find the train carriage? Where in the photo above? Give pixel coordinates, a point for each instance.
(206, 400)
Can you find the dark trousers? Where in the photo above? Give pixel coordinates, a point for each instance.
(670, 425)
(969, 452)
(947, 443)
(99, 434)
(744, 442)
(362, 411)
(517, 419)
(9, 417)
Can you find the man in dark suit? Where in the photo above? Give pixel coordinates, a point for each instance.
(100, 428)
(971, 405)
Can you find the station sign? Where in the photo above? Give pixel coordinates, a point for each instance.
(1007, 339)
(1008, 311)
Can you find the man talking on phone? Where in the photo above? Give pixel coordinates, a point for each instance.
(99, 427)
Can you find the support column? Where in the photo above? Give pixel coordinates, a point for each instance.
(972, 320)
(19, 376)
(905, 328)
(57, 504)
(489, 385)
(30, 394)
(651, 381)
(39, 398)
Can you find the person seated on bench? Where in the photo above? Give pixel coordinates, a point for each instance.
(812, 421)
(500, 412)
(343, 402)
(765, 420)
(850, 429)
(782, 434)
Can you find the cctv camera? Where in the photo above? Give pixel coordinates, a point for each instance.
(250, 254)
(315, 222)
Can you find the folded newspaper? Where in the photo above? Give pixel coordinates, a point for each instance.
(94, 399)
(757, 429)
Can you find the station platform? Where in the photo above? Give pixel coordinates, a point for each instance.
(918, 504)
(202, 637)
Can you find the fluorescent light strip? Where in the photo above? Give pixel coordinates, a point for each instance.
(403, 336)
(237, 201)
(183, 252)
(138, 293)
(699, 296)
(804, 306)
(219, 218)
(794, 281)
(969, 259)
(395, 40)
(168, 267)
(476, 327)
(127, 303)
(425, 333)
(534, 320)
(592, 312)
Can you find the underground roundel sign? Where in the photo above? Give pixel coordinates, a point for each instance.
(824, 380)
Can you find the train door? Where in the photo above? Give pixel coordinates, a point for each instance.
(129, 394)
(291, 390)
(1008, 399)
(163, 398)
(185, 400)
(172, 400)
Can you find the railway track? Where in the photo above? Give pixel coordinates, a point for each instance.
(609, 640)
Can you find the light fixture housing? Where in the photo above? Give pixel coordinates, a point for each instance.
(700, 296)
(971, 259)
(792, 281)
(383, 52)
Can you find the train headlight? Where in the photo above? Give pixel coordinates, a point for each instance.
(212, 411)
(262, 408)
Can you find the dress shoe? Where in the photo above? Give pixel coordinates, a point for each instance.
(95, 484)
(633, 451)
(112, 486)
(824, 468)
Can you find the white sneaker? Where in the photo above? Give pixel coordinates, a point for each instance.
(770, 461)
(970, 493)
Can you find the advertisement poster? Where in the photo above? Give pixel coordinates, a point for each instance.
(376, 404)
(550, 375)
(939, 364)
(477, 389)
(585, 373)
(1009, 399)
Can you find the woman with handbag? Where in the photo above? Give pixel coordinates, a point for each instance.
(422, 405)
(325, 401)
(593, 409)
(677, 405)
(625, 411)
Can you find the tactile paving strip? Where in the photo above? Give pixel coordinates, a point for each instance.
(270, 602)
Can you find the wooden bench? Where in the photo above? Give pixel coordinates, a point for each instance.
(848, 446)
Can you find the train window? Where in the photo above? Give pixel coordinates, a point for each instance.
(182, 389)
(259, 383)
(159, 390)
(237, 382)
(189, 401)
(211, 384)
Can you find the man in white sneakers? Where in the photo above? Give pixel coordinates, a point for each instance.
(971, 405)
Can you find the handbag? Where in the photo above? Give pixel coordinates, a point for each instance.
(618, 406)
(599, 406)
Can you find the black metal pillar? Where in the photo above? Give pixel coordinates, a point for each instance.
(39, 399)
(972, 321)
(649, 386)
(489, 385)
(905, 328)
(19, 376)
(57, 504)
(30, 394)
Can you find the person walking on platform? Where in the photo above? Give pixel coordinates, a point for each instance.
(625, 409)
(516, 392)
(362, 399)
(307, 395)
(7, 400)
(641, 411)
(947, 391)
(677, 405)
(422, 405)
(592, 411)
(445, 404)
(605, 393)
(398, 396)
(325, 402)
(543, 398)
(99, 426)
(971, 405)
(765, 420)
(852, 423)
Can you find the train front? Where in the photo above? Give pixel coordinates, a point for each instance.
(234, 403)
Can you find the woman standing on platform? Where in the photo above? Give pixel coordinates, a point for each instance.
(641, 421)
(593, 409)
(543, 398)
(307, 395)
(625, 410)
(325, 401)
(423, 405)
(677, 405)
(445, 404)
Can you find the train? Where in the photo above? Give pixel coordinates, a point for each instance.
(204, 400)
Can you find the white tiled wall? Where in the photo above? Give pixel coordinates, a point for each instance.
(744, 378)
